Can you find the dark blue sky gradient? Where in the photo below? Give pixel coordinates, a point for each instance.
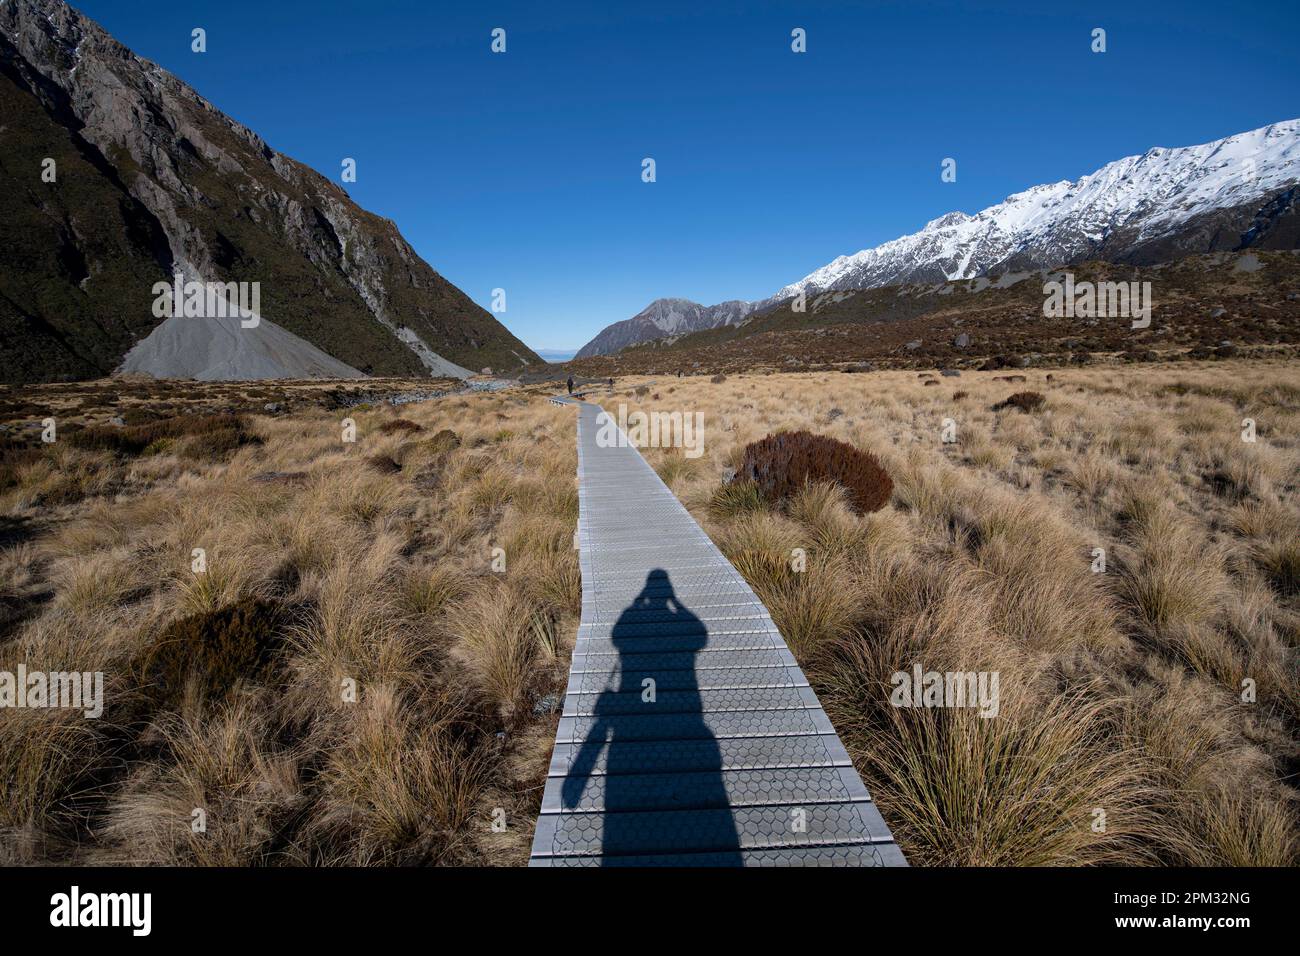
(522, 170)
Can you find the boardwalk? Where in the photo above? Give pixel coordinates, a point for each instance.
(689, 736)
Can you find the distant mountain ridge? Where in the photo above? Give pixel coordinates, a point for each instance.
(1216, 305)
(153, 180)
(664, 317)
(1229, 194)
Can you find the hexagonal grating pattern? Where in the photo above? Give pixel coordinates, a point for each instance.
(689, 735)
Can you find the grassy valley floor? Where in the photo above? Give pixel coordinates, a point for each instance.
(1122, 734)
(350, 680)
(358, 676)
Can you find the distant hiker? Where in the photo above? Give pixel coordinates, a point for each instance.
(570, 384)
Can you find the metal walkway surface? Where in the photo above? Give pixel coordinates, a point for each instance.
(689, 736)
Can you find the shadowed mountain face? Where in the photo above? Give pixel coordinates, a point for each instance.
(151, 179)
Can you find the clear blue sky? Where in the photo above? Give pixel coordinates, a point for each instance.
(523, 170)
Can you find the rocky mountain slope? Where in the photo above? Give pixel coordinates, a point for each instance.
(152, 180)
(1234, 193)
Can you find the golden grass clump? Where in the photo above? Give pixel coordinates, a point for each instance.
(315, 653)
(367, 661)
(1121, 558)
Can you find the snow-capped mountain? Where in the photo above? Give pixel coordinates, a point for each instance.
(1138, 199)
(665, 318)
(1166, 203)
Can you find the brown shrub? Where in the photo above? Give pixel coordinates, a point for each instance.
(718, 379)
(399, 425)
(1025, 401)
(140, 415)
(383, 464)
(213, 445)
(213, 651)
(781, 465)
(194, 436)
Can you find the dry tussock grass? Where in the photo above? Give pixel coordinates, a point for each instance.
(1120, 691)
(379, 581)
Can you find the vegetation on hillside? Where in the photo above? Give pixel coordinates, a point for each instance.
(1203, 307)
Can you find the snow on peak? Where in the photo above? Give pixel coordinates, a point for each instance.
(1142, 198)
(1149, 195)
